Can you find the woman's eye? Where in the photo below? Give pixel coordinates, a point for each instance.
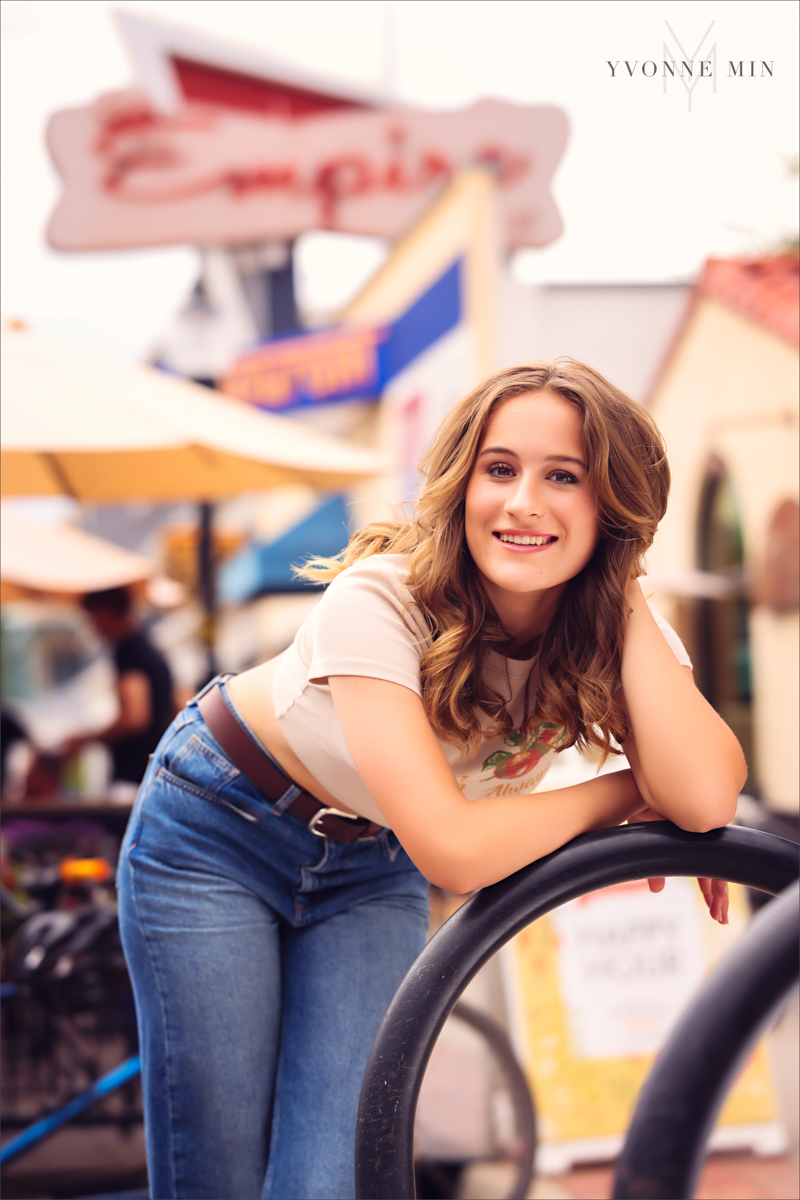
(563, 477)
(501, 470)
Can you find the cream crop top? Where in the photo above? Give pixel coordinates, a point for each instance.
(358, 628)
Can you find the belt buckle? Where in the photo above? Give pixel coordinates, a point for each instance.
(324, 812)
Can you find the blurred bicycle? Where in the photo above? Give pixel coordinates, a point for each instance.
(67, 1011)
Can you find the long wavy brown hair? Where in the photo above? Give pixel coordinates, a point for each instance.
(575, 677)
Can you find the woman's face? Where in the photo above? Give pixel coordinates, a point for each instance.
(530, 515)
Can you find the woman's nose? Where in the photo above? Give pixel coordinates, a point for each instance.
(525, 500)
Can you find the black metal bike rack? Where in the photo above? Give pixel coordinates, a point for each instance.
(385, 1129)
(680, 1100)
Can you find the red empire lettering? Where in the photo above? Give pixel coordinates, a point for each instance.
(341, 179)
(432, 167)
(395, 178)
(243, 181)
(138, 119)
(138, 145)
(131, 120)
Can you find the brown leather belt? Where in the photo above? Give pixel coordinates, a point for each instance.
(271, 781)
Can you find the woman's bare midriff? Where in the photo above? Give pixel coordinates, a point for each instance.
(251, 692)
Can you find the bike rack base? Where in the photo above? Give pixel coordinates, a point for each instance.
(385, 1130)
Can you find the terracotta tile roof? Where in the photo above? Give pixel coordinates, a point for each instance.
(765, 289)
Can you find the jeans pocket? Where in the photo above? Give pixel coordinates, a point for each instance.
(198, 768)
(233, 802)
(201, 765)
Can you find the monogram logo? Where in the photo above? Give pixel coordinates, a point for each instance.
(690, 68)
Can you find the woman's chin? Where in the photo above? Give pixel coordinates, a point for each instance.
(520, 581)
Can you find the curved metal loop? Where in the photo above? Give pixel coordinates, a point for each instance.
(385, 1129)
(679, 1102)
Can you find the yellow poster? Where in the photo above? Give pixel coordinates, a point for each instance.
(596, 988)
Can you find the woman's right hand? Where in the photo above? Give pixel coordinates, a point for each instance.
(715, 891)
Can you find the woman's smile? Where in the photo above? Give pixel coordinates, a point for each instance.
(525, 542)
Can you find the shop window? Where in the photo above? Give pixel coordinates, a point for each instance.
(723, 667)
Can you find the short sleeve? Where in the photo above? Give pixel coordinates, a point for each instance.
(365, 624)
(673, 641)
(127, 655)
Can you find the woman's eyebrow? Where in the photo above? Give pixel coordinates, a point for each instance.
(548, 458)
(566, 458)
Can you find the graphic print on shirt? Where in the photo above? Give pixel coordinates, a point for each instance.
(530, 744)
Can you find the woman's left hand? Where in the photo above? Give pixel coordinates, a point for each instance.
(715, 894)
(715, 891)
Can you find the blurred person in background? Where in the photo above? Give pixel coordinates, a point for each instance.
(27, 772)
(12, 734)
(143, 686)
(273, 879)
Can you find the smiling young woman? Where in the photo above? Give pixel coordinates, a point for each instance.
(273, 879)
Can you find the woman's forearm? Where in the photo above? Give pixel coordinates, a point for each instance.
(489, 839)
(460, 844)
(689, 764)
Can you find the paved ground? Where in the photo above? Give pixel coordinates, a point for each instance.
(76, 1160)
(725, 1177)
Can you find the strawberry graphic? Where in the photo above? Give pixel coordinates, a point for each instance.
(520, 763)
(531, 743)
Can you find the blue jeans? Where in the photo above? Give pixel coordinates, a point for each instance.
(263, 959)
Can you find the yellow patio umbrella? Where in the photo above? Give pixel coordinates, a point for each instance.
(77, 424)
(81, 425)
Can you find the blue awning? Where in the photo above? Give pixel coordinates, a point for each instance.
(263, 569)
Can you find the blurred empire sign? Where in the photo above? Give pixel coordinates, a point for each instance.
(346, 364)
(210, 175)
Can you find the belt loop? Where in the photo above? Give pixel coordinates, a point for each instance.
(291, 794)
(208, 686)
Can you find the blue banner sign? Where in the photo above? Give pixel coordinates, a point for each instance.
(346, 364)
